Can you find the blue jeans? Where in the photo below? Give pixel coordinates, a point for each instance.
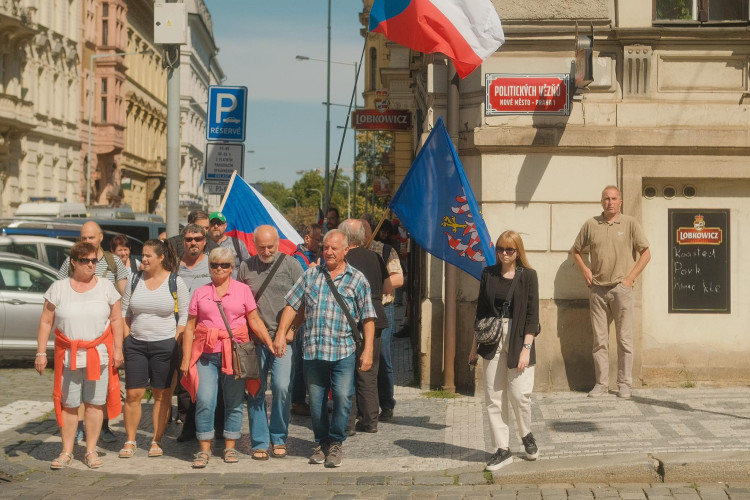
(281, 383)
(385, 370)
(209, 376)
(298, 385)
(322, 376)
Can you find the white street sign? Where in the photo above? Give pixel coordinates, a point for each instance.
(222, 160)
(215, 187)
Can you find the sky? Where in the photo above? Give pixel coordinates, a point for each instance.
(258, 41)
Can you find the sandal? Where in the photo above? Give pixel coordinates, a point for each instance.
(63, 460)
(231, 456)
(278, 451)
(128, 452)
(260, 455)
(200, 460)
(155, 450)
(93, 463)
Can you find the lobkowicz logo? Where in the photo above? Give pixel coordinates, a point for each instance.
(699, 234)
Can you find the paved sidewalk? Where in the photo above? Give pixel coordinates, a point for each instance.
(697, 440)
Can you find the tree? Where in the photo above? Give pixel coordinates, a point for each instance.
(275, 192)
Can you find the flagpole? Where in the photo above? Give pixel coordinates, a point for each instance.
(377, 228)
(226, 193)
(449, 298)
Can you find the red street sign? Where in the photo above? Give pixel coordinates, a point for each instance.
(389, 119)
(527, 94)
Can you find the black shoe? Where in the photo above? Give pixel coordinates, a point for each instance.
(499, 459)
(385, 415)
(404, 333)
(186, 435)
(351, 432)
(529, 443)
(301, 409)
(361, 428)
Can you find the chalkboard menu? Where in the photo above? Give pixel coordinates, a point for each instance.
(699, 261)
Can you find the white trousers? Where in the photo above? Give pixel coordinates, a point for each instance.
(503, 385)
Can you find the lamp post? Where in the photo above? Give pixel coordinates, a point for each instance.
(296, 206)
(321, 197)
(355, 176)
(327, 103)
(91, 109)
(348, 198)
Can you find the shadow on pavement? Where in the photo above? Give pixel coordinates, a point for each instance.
(423, 422)
(432, 449)
(674, 405)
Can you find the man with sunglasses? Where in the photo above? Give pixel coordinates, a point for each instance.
(217, 232)
(200, 218)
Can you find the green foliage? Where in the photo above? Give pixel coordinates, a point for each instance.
(673, 9)
(441, 394)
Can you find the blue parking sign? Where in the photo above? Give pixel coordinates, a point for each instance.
(226, 113)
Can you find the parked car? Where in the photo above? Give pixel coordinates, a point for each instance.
(70, 231)
(23, 281)
(51, 251)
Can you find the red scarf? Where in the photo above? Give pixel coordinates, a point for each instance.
(93, 368)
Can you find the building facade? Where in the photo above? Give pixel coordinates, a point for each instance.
(39, 106)
(666, 120)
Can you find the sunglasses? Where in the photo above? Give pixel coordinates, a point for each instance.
(190, 239)
(87, 261)
(223, 265)
(508, 251)
(217, 222)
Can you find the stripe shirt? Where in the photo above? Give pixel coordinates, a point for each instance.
(101, 268)
(327, 334)
(151, 312)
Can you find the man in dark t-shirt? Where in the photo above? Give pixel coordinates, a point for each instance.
(365, 404)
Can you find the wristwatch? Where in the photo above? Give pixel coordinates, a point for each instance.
(527, 346)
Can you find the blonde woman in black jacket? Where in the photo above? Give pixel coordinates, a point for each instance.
(509, 368)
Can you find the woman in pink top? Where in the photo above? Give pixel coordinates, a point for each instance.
(207, 352)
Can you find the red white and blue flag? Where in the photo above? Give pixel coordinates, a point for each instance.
(245, 209)
(467, 31)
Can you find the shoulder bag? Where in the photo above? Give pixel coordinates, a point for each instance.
(490, 330)
(245, 359)
(353, 324)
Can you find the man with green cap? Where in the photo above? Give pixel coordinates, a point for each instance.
(217, 232)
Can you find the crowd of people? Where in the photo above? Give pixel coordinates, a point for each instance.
(322, 320)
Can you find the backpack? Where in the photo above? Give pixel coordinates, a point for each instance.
(172, 289)
(111, 266)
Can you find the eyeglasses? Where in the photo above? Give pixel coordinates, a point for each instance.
(223, 265)
(87, 261)
(190, 239)
(509, 251)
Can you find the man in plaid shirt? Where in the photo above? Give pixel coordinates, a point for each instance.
(328, 344)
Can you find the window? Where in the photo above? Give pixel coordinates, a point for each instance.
(373, 69)
(700, 11)
(104, 100)
(105, 24)
(56, 255)
(24, 278)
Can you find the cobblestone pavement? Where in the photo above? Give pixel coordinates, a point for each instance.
(433, 448)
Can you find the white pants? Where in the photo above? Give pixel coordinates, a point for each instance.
(501, 386)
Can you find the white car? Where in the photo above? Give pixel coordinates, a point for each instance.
(23, 282)
(51, 251)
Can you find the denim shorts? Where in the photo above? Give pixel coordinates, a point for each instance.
(148, 363)
(76, 389)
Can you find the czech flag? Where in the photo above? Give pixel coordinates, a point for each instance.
(467, 31)
(245, 209)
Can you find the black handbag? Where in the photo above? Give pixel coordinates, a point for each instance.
(490, 330)
(245, 358)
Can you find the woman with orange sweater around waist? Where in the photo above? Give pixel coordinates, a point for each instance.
(84, 312)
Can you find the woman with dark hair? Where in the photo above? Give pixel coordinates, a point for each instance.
(120, 246)
(509, 364)
(84, 312)
(155, 307)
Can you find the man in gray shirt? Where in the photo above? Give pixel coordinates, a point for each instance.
(270, 275)
(194, 263)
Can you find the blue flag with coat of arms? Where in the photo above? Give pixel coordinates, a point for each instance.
(436, 204)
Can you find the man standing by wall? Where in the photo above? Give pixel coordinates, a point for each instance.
(329, 342)
(270, 275)
(613, 239)
(217, 230)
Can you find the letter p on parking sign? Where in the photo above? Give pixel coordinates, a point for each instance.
(226, 113)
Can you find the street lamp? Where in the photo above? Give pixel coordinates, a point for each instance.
(296, 206)
(321, 196)
(327, 102)
(91, 108)
(355, 176)
(348, 198)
